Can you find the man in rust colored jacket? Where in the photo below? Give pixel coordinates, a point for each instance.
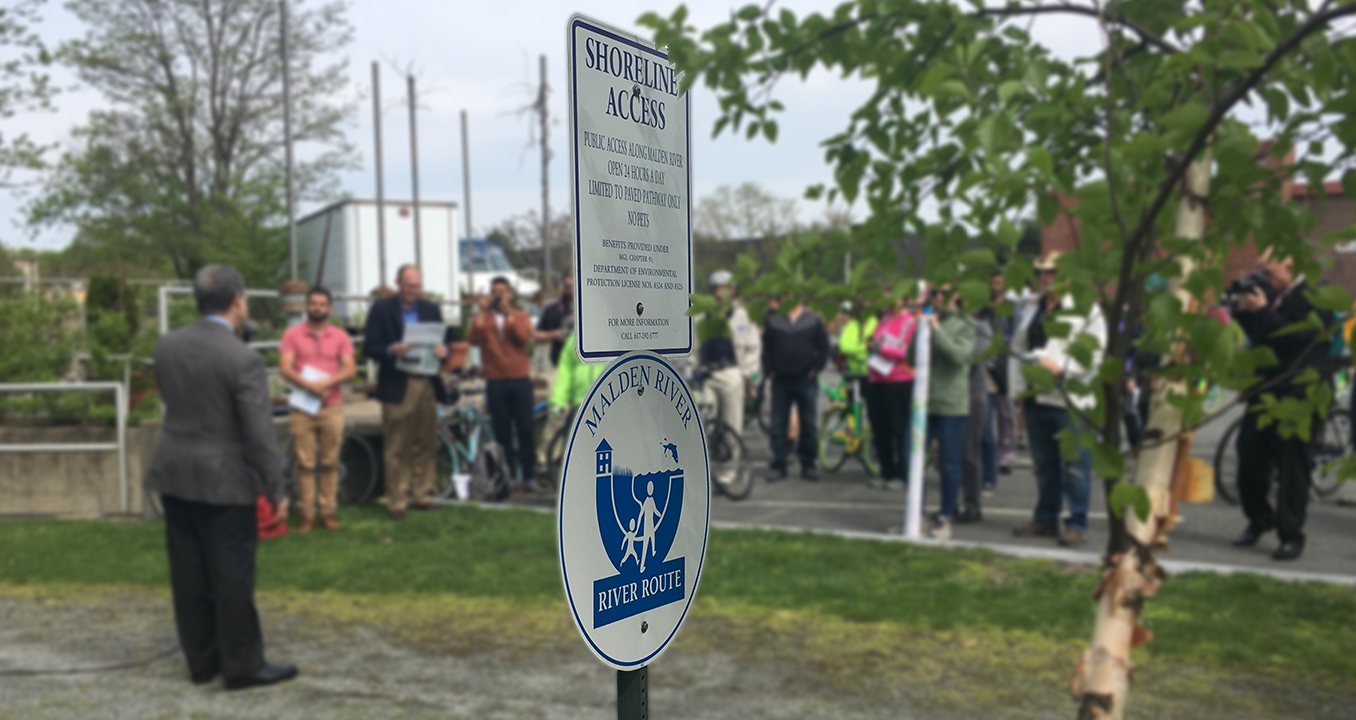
(502, 333)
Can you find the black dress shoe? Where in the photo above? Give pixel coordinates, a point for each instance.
(967, 516)
(1289, 550)
(809, 472)
(776, 474)
(1250, 535)
(266, 675)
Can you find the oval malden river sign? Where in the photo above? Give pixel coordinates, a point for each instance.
(635, 499)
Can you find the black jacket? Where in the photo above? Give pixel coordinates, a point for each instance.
(1291, 349)
(386, 327)
(794, 349)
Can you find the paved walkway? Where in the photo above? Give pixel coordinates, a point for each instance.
(842, 501)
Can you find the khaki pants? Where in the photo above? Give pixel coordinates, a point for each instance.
(727, 386)
(411, 442)
(326, 431)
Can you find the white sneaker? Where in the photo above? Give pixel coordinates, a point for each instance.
(940, 528)
(896, 485)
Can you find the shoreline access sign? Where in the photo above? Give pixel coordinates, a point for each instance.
(635, 510)
(631, 187)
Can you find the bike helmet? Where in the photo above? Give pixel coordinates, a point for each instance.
(720, 278)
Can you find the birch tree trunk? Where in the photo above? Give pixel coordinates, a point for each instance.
(1101, 682)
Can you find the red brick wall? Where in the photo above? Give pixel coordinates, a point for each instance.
(1332, 210)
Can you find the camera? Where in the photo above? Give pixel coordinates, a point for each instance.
(1246, 284)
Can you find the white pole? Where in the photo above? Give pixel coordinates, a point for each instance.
(164, 309)
(918, 426)
(120, 396)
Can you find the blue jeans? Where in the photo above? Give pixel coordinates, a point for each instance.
(949, 433)
(1058, 480)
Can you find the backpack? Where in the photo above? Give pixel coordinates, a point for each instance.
(489, 474)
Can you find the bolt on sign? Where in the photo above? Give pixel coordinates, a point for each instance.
(630, 155)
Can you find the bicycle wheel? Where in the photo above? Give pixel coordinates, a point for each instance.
(755, 407)
(288, 456)
(1332, 442)
(728, 461)
(865, 449)
(359, 469)
(1226, 465)
(834, 437)
(555, 456)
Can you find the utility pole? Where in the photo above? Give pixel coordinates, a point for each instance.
(466, 190)
(466, 171)
(381, 188)
(546, 282)
(287, 142)
(414, 173)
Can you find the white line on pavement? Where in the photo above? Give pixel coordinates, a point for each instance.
(876, 507)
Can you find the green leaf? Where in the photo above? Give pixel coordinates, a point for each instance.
(974, 292)
(1040, 159)
(1186, 117)
(1007, 89)
(980, 258)
(702, 304)
(770, 130)
(1125, 495)
(1107, 460)
(1330, 297)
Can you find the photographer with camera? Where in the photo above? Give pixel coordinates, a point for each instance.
(1264, 302)
(502, 332)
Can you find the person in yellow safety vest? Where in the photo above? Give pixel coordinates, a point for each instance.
(572, 383)
(852, 343)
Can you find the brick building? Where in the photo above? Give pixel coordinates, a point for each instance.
(1332, 210)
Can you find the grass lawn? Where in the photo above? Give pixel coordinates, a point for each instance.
(468, 557)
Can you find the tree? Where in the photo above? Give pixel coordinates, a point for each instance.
(24, 84)
(974, 119)
(520, 236)
(186, 167)
(743, 212)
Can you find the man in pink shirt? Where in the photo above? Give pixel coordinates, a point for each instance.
(317, 358)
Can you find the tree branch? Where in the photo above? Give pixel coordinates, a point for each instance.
(1221, 108)
(1144, 33)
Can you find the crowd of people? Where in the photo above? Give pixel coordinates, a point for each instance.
(218, 471)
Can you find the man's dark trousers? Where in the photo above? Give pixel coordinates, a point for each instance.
(510, 405)
(803, 391)
(211, 559)
(1262, 452)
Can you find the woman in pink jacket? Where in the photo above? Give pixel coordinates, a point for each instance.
(890, 392)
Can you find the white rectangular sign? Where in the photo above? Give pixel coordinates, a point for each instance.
(632, 180)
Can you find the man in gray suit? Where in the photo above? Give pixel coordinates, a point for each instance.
(217, 455)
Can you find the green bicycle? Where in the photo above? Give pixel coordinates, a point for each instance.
(843, 430)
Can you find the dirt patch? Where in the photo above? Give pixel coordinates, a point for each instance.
(448, 657)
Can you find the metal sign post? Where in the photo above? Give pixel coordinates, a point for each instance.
(918, 426)
(633, 694)
(631, 179)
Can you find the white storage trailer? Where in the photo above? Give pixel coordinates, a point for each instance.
(352, 258)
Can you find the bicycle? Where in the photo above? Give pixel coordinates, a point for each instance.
(462, 431)
(755, 405)
(359, 469)
(724, 446)
(1331, 441)
(843, 429)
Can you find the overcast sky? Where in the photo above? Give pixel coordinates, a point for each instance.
(482, 57)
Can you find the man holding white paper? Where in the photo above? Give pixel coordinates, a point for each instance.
(317, 357)
(409, 400)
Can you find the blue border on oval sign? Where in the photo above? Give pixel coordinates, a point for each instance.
(578, 21)
(630, 357)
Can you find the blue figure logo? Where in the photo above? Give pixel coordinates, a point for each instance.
(637, 521)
